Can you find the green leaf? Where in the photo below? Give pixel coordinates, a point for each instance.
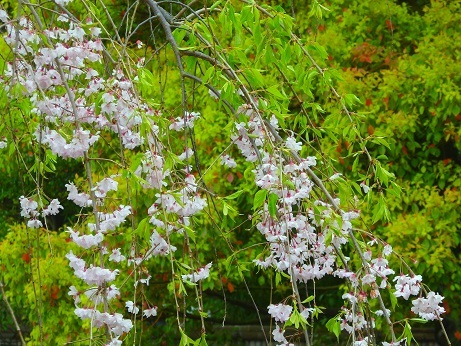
(275, 92)
(215, 5)
(418, 320)
(273, 198)
(351, 100)
(329, 236)
(185, 340)
(382, 141)
(235, 195)
(334, 326)
(393, 299)
(278, 278)
(259, 199)
(308, 299)
(294, 319)
(407, 333)
(190, 232)
(227, 208)
(202, 340)
(142, 227)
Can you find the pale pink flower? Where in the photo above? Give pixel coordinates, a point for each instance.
(278, 335)
(76, 263)
(95, 31)
(407, 286)
(131, 307)
(395, 343)
(363, 342)
(53, 208)
(200, 274)
(351, 298)
(292, 144)
(112, 292)
(186, 121)
(226, 160)
(28, 207)
(146, 280)
(387, 250)
(428, 308)
(110, 221)
(280, 312)
(115, 342)
(81, 199)
(87, 240)
(364, 187)
(116, 256)
(335, 176)
(73, 292)
(307, 312)
(3, 16)
(150, 312)
(187, 154)
(116, 323)
(104, 186)
(34, 223)
(98, 276)
(159, 246)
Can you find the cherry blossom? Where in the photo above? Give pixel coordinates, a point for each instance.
(277, 333)
(186, 121)
(28, 207)
(150, 312)
(112, 292)
(363, 342)
(226, 160)
(352, 321)
(200, 274)
(97, 275)
(428, 308)
(159, 246)
(81, 199)
(364, 187)
(104, 186)
(116, 256)
(116, 323)
(3, 16)
(76, 263)
(87, 240)
(292, 144)
(73, 292)
(34, 223)
(407, 286)
(115, 342)
(110, 221)
(187, 154)
(53, 208)
(395, 343)
(63, 2)
(280, 312)
(131, 307)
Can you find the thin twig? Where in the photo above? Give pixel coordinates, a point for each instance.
(11, 311)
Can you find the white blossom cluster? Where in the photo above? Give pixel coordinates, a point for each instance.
(305, 244)
(29, 210)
